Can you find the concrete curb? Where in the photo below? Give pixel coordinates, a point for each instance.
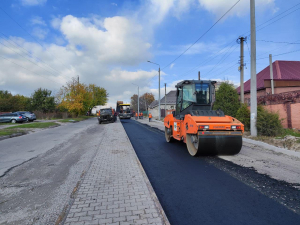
(256, 143)
(12, 136)
(150, 188)
(271, 147)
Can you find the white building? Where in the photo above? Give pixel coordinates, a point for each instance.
(170, 105)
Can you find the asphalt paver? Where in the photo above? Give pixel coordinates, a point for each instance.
(192, 190)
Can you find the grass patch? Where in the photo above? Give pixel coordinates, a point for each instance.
(4, 132)
(36, 125)
(290, 132)
(7, 124)
(79, 118)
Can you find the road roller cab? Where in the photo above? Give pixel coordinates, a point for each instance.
(204, 130)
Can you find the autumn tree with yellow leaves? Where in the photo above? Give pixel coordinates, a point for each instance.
(78, 98)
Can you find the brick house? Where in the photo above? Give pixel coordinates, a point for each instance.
(286, 97)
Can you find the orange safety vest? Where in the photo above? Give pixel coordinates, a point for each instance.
(136, 114)
(142, 114)
(150, 115)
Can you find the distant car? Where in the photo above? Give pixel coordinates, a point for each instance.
(30, 116)
(12, 118)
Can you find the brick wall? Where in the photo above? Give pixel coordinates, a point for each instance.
(286, 104)
(281, 110)
(295, 111)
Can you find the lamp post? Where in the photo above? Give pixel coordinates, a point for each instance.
(158, 87)
(138, 99)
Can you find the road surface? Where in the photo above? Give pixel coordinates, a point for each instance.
(42, 170)
(209, 190)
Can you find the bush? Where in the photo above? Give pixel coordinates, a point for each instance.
(227, 99)
(243, 115)
(268, 123)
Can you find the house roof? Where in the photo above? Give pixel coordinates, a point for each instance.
(153, 104)
(282, 70)
(171, 100)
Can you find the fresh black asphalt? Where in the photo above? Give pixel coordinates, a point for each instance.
(193, 191)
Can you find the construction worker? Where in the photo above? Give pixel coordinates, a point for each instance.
(136, 115)
(142, 115)
(150, 117)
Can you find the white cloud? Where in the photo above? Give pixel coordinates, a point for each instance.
(37, 20)
(219, 7)
(40, 33)
(114, 4)
(172, 65)
(33, 2)
(55, 23)
(90, 51)
(120, 76)
(121, 41)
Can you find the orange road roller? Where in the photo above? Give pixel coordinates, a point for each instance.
(204, 130)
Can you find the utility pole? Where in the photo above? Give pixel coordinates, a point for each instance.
(138, 102)
(159, 94)
(198, 75)
(271, 73)
(165, 99)
(253, 106)
(78, 79)
(158, 87)
(240, 41)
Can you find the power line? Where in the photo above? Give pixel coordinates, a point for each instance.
(248, 33)
(273, 21)
(29, 34)
(278, 19)
(274, 49)
(282, 54)
(281, 42)
(26, 68)
(210, 59)
(203, 34)
(222, 59)
(26, 58)
(26, 51)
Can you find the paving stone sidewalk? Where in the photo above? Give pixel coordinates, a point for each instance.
(115, 190)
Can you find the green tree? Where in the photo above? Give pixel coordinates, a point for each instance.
(227, 99)
(11, 103)
(243, 115)
(97, 96)
(145, 100)
(78, 98)
(268, 123)
(5, 101)
(43, 101)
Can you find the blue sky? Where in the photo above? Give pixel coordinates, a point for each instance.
(109, 42)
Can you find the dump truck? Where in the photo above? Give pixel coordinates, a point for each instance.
(125, 112)
(204, 130)
(118, 107)
(106, 115)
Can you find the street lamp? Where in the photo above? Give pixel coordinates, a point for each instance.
(138, 99)
(158, 87)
